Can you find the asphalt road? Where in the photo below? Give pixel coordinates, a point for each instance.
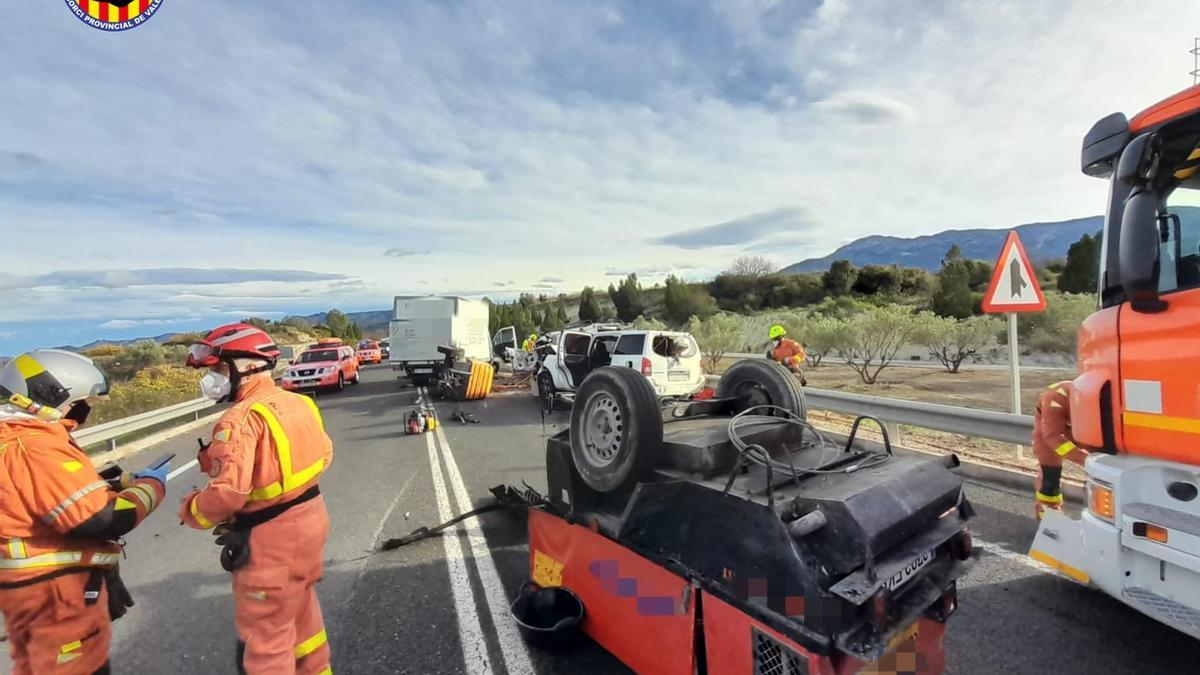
(438, 606)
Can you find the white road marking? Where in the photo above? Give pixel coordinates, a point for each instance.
(474, 644)
(181, 470)
(512, 646)
(1001, 552)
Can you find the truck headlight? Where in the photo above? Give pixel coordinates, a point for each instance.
(1100, 500)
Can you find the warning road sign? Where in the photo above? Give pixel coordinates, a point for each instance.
(1014, 287)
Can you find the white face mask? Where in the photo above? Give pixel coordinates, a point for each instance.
(214, 386)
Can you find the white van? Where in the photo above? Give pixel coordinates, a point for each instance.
(670, 360)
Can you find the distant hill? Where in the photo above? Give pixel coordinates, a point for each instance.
(373, 323)
(1043, 241)
(160, 339)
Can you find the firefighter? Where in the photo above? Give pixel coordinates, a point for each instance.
(263, 502)
(60, 588)
(787, 352)
(529, 343)
(1052, 443)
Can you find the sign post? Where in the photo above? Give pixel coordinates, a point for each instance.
(1014, 289)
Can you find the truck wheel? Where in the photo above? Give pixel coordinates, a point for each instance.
(495, 367)
(757, 382)
(616, 429)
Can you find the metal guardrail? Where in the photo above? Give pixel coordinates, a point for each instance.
(996, 426)
(110, 431)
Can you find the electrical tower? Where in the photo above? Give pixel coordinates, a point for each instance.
(1196, 62)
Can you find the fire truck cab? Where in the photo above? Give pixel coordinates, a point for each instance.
(1136, 401)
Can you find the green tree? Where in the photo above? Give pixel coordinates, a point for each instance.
(563, 317)
(681, 301)
(839, 279)
(718, 335)
(953, 294)
(914, 281)
(1055, 330)
(1079, 274)
(337, 323)
(550, 320)
(627, 298)
(870, 340)
(952, 341)
(589, 306)
(258, 322)
(820, 336)
(642, 323)
(874, 279)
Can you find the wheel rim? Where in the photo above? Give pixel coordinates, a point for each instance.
(604, 430)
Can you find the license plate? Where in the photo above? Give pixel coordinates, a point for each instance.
(903, 574)
(679, 376)
(422, 370)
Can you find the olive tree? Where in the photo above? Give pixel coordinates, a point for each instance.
(718, 335)
(870, 340)
(952, 341)
(820, 336)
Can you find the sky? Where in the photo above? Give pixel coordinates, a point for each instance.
(228, 159)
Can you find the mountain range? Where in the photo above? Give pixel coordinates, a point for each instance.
(1043, 242)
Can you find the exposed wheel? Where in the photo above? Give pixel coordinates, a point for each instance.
(341, 382)
(357, 377)
(759, 382)
(616, 429)
(495, 367)
(546, 391)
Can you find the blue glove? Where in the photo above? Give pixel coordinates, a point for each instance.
(159, 474)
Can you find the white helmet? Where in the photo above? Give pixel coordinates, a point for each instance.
(51, 378)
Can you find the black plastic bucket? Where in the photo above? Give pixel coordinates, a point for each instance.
(548, 616)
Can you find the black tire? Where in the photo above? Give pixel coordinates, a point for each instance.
(616, 429)
(495, 367)
(357, 376)
(760, 382)
(547, 393)
(341, 382)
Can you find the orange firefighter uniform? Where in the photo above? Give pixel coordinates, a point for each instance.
(58, 523)
(790, 353)
(1052, 443)
(266, 455)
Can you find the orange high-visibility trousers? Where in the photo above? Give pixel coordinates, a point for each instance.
(51, 629)
(278, 615)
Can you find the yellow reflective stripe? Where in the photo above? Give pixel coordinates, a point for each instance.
(1064, 449)
(71, 646)
(106, 558)
(1073, 572)
(123, 504)
(1056, 499)
(70, 501)
(44, 560)
(27, 366)
(195, 511)
(1186, 425)
(316, 411)
(283, 448)
(1055, 404)
(311, 645)
(327, 671)
(16, 548)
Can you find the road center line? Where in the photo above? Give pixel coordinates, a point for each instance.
(512, 646)
(181, 470)
(474, 644)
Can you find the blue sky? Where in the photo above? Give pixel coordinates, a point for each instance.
(237, 158)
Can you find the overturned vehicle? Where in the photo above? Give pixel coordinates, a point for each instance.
(730, 536)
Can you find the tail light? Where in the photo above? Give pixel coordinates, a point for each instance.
(647, 367)
(944, 606)
(961, 546)
(880, 609)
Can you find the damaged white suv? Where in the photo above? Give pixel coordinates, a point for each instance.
(669, 360)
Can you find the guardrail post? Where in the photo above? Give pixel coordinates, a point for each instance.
(112, 444)
(893, 432)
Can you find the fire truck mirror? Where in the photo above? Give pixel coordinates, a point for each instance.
(1139, 251)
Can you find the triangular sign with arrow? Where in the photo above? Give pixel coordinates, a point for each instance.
(1014, 286)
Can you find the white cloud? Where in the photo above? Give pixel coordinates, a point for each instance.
(560, 138)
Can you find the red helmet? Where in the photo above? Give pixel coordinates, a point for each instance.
(234, 341)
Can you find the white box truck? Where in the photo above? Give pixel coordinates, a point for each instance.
(421, 324)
